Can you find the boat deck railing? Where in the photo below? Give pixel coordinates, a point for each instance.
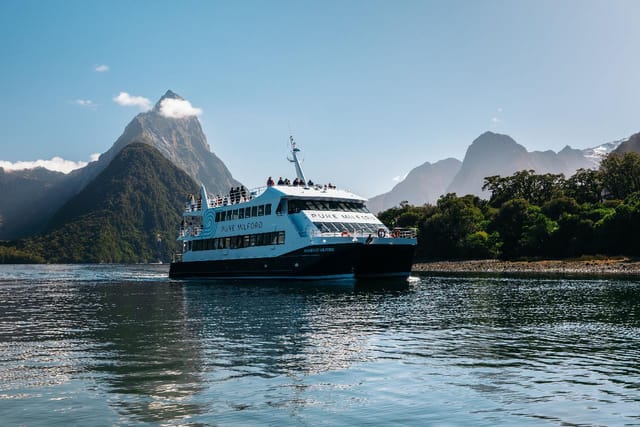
(190, 231)
(239, 196)
(395, 233)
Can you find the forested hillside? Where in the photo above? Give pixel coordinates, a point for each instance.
(130, 213)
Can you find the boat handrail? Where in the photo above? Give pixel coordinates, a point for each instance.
(396, 233)
(230, 199)
(405, 232)
(191, 230)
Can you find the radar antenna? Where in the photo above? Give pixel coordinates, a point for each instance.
(295, 161)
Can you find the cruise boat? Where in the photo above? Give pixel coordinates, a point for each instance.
(286, 231)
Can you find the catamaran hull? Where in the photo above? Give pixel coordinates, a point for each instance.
(346, 261)
(377, 261)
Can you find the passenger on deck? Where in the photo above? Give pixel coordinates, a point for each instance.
(310, 183)
(280, 181)
(270, 182)
(296, 182)
(287, 182)
(243, 193)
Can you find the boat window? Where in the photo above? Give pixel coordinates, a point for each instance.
(235, 214)
(260, 210)
(237, 242)
(352, 227)
(294, 206)
(217, 216)
(281, 206)
(267, 209)
(241, 213)
(247, 212)
(254, 211)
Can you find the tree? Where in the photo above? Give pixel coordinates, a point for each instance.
(620, 174)
(445, 233)
(526, 185)
(524, 229)
(585, 186)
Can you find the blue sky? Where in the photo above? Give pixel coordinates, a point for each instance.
(370, 89)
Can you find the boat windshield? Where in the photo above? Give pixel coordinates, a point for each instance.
(296, 206)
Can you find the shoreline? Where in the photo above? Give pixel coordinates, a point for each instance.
(606, 266)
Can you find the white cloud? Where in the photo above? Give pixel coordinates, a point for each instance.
(55, 163)
(87, 103)
(102, 68)
(496, 120)
(178, 108)
(499, 109)
(399, 177)
(127, 100)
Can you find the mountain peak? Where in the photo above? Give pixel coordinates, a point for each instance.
(169, 94)
(489, 137)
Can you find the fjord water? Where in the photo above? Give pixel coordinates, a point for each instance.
(105, 345)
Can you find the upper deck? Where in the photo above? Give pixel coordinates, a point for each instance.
(239, 196)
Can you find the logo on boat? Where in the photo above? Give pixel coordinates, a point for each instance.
(247, 226)
(318, 250)
(339, 216)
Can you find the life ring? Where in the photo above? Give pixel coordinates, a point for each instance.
(382, 233)
(395, 234)
(345, 234)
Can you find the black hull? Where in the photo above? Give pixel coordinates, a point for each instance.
(384, 261)
(347, 261)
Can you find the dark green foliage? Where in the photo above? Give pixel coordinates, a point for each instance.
(621, 174)
(535, 189)
(11, 255)
(585, 186)
(128, 214)
(451, 227)
(529, 215)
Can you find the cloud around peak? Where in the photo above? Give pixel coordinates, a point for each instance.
(127, 100)
(178, 108)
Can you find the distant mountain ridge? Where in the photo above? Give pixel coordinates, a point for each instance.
(180, 140)
(25, 193)
(498, 154)
(423, 184)
(489, 154)
(631, 144)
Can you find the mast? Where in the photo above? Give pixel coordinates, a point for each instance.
(295, 161)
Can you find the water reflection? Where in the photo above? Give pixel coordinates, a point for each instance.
(146, 351)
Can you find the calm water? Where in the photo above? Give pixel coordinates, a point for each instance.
(111, 345)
